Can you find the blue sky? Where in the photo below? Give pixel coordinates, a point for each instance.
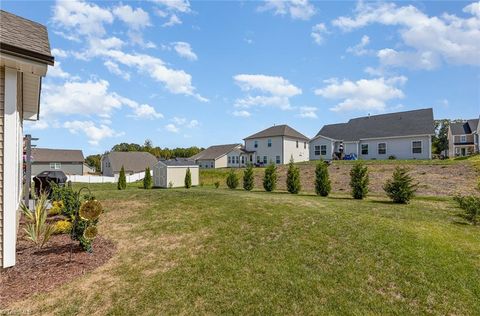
(209, 72)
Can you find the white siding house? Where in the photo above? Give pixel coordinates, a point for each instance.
(218, 156)
(277, 144)
(25, 56)
(401, 135)
(463, 138)
(171, 173)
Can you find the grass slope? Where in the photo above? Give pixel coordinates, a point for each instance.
(206, 251)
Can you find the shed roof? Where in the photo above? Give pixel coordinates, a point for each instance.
(25, 38)
(278, 130)
(215, 152)
(463, 128)
(408, 123)
(56, 155)
(132, 161)
(179, 162)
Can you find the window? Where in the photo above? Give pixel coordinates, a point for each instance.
(323, 150)
(382, 148)
(55, 165)
(229, 159)
(277, 160)
(463, 139)
(317, 150)
(251, 158)
(364, 149)
(297, 143)
(258, 159)
(211, 165)
(417, 147)
(236, 159)
(255, 144)
(265, 160)
(243, 159)
(269, 142)
(304, 145)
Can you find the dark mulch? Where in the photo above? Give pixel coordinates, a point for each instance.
(45, 269)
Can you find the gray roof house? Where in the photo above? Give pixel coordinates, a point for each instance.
(277, 144)
(70, 161)
(132, 161)
(464, 138)
(403, 135)
(215, 156)
(24, 59)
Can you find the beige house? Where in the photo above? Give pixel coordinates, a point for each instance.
(132, 162)
(171, 173)
(277, 144)
(464, 138)
(24, 59)
(218, 156)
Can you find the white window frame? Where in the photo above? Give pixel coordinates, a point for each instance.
(297, 143)
(258, 159)
(421, 147)
(321, 150)
(269, 142)
(304, 145)
(55, 165)
(229, 159)
(265, 160)
(378, 148)
(255, 143)
(463, 138)
(316, 150)
(361, 149)
(277, 159)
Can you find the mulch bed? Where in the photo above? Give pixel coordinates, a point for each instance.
(45, 269)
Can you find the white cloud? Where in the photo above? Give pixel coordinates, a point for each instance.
(134, 18)
(94, 133)
(182, 6)
(276, 91)
(192, 124)
(59, 53)
(318, 32)
(181, 121)
(145, 111)
(308, 112)
(297, 9)
(430, 40)
(172, 128)
(360, 49)
(81, 17)
(241, 113)
(173, 20)
(184, 50)
(363, 94)
(115, 69)
(56, 71)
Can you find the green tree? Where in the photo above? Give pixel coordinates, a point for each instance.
(232, 179)
(270, 178)
(94, 162)
(147, 180)
(248, 180)
(440, 139)
(122, 180)
(188, 179)
(359, 180)
(401, 188)
(322, 179)
(293, 178)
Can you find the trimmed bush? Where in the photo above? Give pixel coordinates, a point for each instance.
(62, 227)
(188, 179)
(122, 180)
(293, 178)
(232, 180)
(401, 188)
(248, 182)
(147, 180)
(270, 178)
(471, 206)
(359, 181)
(322, 179)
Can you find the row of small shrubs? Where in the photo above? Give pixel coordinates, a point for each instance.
(400, 188)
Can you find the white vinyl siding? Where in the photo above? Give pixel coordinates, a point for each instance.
(2, 96)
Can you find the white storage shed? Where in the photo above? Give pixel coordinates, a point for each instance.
(171, 173)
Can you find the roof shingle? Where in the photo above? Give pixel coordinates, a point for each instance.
(278, 130)
(56, 155)
(132, 161)
(214, 152)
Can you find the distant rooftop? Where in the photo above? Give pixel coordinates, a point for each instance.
(56, 155)
(278, 130)
(214, 152)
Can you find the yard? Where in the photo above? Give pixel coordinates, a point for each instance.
(217, 251)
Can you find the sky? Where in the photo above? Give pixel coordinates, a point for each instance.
(201, 73)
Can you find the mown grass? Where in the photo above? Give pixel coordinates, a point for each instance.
(207, 251)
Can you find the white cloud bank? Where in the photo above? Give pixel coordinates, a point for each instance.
(296, 9)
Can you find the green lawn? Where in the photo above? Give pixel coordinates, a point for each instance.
(207, 251)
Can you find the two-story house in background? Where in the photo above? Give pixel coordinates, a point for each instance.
(277, 144)
(464, 138)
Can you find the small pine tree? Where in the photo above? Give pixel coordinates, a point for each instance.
(232, 180)
(471, 206)
(322, 179)
(122, 180)
(401, 187)
(359, 181)
(147, 180)
(293, 178)
(270, 178)
(248, 182)
(188, 179)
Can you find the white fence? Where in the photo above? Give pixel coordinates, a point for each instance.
(102, 179)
